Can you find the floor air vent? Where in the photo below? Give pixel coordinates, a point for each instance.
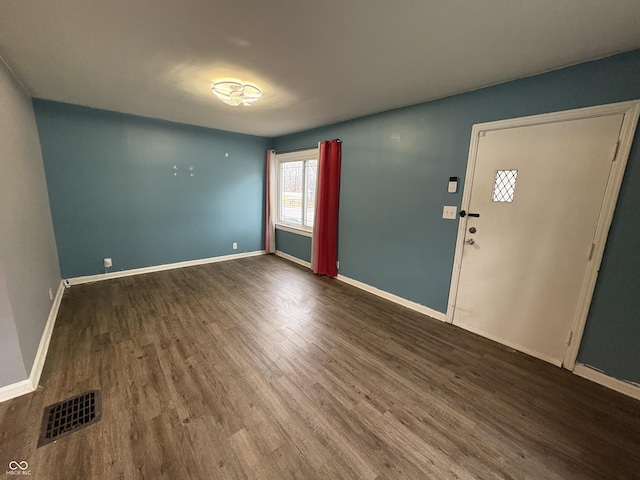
(66, 417)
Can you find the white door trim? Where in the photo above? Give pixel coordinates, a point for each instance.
(631, 111)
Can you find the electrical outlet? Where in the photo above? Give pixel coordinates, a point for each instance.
(235, 246)
(108, 263)
(50, 293)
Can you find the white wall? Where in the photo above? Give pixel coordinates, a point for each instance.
(28, 255)
(12, 368)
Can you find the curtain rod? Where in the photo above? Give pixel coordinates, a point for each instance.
(299, 149)
(296, 149)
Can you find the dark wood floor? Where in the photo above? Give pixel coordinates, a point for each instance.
(257, 369)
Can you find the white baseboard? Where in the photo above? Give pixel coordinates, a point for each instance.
(293, 259)
(627, 388)
(158, 268)
(30, 384)
(41, 356)
(15, 390)
(394, 298)
(376, 291)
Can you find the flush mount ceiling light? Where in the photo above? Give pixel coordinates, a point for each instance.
(236, 93)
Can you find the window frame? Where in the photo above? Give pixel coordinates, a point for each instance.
(300, 156)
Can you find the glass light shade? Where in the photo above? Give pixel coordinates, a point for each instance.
(236, 93)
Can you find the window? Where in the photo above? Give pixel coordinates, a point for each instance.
(297, 179)
(504, 186)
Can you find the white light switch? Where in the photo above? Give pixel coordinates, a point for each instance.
(449, 212)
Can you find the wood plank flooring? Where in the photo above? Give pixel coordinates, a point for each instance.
(257, 369)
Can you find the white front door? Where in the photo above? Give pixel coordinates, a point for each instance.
(538, 191)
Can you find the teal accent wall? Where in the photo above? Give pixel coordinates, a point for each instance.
(113, 192)
(293, 244)
(395, 169)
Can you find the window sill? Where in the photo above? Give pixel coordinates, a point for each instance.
(297, 230)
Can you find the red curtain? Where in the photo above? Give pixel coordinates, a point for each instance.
(325, 236)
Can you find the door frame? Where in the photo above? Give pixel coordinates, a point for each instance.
(620, 155)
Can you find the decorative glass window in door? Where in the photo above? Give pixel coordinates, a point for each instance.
(504, 186)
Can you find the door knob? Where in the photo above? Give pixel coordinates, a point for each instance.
(471, 241)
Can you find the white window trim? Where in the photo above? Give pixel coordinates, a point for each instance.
(293, 157)
(307, 232)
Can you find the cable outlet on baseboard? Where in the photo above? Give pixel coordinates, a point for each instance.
(235, 246)
(108, 263)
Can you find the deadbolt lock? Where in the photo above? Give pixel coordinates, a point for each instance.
(472, 230)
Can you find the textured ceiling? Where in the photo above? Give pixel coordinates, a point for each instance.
(318, 62)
